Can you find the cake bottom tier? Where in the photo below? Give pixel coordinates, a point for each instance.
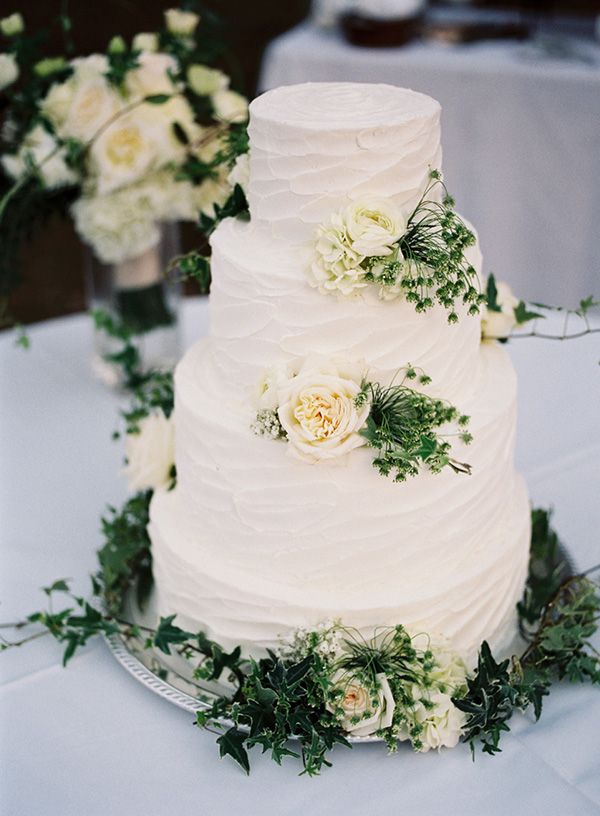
(252, 544)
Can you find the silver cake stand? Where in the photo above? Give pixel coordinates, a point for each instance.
(171, 677)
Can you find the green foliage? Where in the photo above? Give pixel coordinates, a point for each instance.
(125, 556)
(236, 205)
(524, 315)
(491, 295)
(402, 425)
(431, 264)
(566, 614)
(120, 62)
(195, 266)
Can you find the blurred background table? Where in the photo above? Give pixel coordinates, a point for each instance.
(90, 741)
(521, 140)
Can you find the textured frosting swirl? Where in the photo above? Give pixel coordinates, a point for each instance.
(317, 146)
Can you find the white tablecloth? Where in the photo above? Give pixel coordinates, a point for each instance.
(90, 741)
(521, 143)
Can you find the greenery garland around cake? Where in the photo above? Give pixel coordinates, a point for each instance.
(329, 683)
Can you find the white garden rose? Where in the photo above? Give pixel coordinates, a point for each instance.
(498, 325)
(206, 81)
(40, 149)
(152, 76)
(93, 104)
(240, 172)
(361, 710)
(122, 154)
(441, 721)
(150, 453)
(317, 410)
(182, 23)
(336, 266)
(230, 106)
(374, 226)
(57, 102)
(12, 25)
(145, 41)
(9, 70)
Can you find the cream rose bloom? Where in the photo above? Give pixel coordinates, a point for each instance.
(374, 226)
(230, 106)
(9, 70)
(499, 325)
(40, 148)
(122, 154)
(145, 41)
(317, 410)
(336, 265)
(92, 104)
(205, 81)
(362, 712)
(182, 23)
(152, 76)
(150, 453)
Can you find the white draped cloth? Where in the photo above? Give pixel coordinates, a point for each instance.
(89, 740)
(521, 141)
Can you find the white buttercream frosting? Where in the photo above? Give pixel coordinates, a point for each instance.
(253, 543)
(316, 147)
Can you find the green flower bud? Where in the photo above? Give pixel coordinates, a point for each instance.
(117, 45)
(50, 65)
(12, 25)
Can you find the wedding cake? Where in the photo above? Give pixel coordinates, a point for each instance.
(278, 519)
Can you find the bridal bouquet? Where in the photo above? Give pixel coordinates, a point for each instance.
(123, 141)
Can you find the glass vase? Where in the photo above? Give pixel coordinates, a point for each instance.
(142, 295)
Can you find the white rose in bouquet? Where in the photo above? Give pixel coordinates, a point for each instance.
(361, 709)
(318, 412)
(374, 226)
(230, 106)
(150, 453)
(152, 76)
(122, 154)
(497, 325)
(145, 41)
(182, 23)
(40, 149)
(205, 81)
(9, 70)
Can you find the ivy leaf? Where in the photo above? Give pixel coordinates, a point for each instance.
(180, 134)
(231, 743)
(523, 315)
(167, 634)
(491, 294)
(58, 586)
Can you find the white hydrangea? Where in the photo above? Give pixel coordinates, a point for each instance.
(336, 266)
(150, 453)
(39, 148)
(9, 70)
(440, 721)
(124, 224)
(498, 325)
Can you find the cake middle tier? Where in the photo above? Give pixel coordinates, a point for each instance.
(263, 312)
(252, 543)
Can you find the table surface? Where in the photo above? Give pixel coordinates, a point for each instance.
(90, 740)
(521, 142)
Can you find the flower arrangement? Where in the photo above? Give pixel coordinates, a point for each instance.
(325, 409)
(421, 258)
(125, 140)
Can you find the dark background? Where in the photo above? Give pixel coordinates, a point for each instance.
(51, 263)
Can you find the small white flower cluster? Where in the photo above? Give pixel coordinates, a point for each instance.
(316, 407)
(267, 424)
(346, 246)
(133, 140)
(325, 640)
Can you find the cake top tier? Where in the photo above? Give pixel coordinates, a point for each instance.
(327, 106)
(316, 147)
